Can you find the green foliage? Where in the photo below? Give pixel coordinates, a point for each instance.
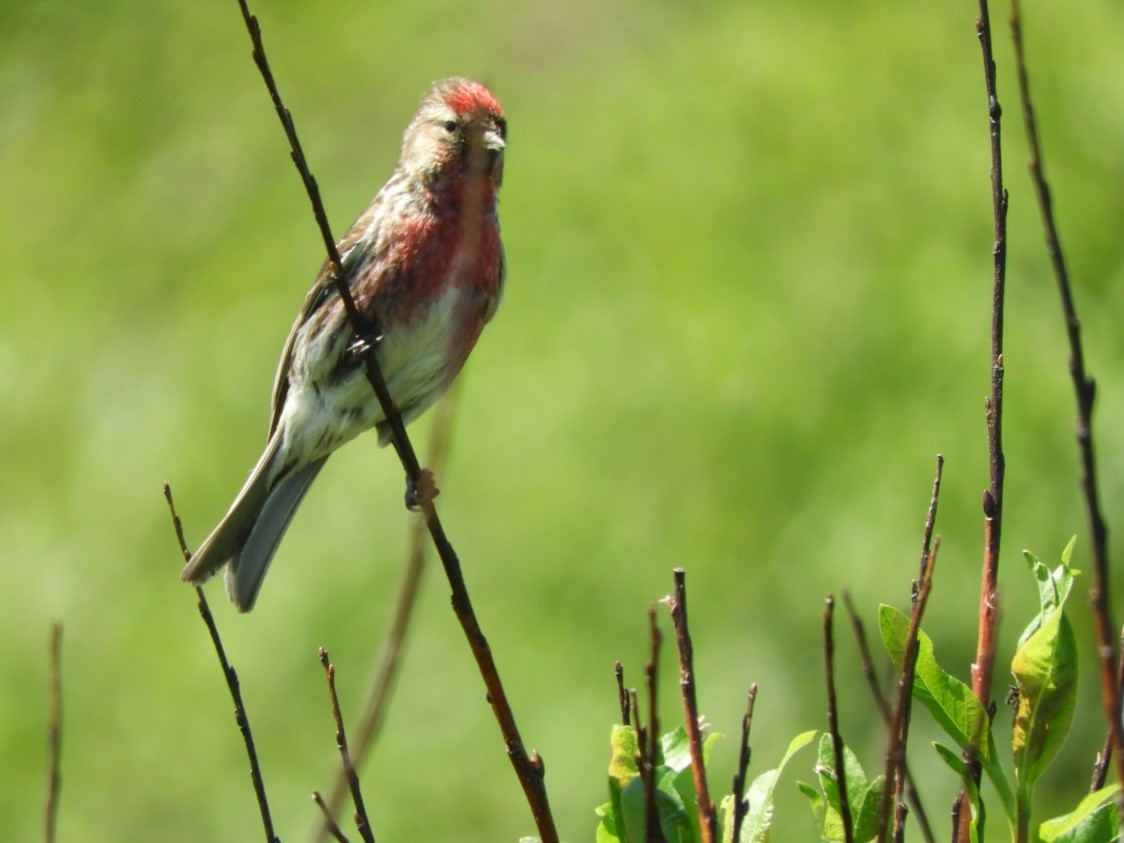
(1094, 820)
(950, 702)
(864, 796)
(623, 817)
(758, 824)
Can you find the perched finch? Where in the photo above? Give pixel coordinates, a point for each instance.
(425, 266)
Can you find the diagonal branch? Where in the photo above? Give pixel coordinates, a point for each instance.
(1084, 388)
(232, 684)
(528, 767)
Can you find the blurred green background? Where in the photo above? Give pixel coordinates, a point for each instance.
(748, 303)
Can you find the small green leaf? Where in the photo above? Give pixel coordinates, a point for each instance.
(1045, 671)
(1094, 820)
(759, 816)
(676, 749)
(1053, 586)
(864, 797)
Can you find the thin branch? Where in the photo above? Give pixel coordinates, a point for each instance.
(833, 722)
(650, 754)
(708, 817)
(887, 716)
(899, 724)
(361, 820)
(330, 826)
(386, 672)
(1084, 390)
(528, 767)
(741, 806)
(622, 694)
(54, 731)
(984, 664)
(1100, 766)
(232, 684)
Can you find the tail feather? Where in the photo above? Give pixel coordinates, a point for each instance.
(249, 533)
(247, 569)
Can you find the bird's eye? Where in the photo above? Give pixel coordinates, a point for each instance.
(450, 126)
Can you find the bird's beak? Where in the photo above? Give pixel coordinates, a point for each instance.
(493, 142)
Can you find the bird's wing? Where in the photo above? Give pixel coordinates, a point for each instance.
(323, 290)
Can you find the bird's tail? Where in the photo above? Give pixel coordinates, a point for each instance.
(248, 535)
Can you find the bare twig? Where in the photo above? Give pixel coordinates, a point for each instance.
(330, 827)
(983, 666)
(898, 778)
(386, 672)
(1084, 389)
(899, 724)
(54, 732)
(528, 767)
(708, 817)
(622, 694)
(232, 684)
(361, 820)
(833, 722)
(741, 807)
(887, 716)
(651, 752)
(1100, 766)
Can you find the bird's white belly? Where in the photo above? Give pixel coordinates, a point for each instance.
(321, 412)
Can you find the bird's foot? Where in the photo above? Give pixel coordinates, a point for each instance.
(422, 492)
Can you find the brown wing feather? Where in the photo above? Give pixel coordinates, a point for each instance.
(323, 290)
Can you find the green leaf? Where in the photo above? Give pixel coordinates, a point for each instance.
(759, 816)
(1053, 586)
(948, 700)
(1094, 820)
(607, 831)
(1045, 671)
(864, 796)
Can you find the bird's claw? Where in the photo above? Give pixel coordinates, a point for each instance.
(361, 345)
(422, 492)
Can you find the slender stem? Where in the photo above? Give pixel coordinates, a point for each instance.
(984, 664)
(899, 724)
(362, 822)
(886, 714)
(708, 817)
(833, 722)
(741, 806)
(1084, 389)
(528, 767)
(622, 694)
(330, 826)
(650, 736)
(389, 665)
(54, 732)
(241, 717)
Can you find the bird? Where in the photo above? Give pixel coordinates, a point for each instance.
(425, 267)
